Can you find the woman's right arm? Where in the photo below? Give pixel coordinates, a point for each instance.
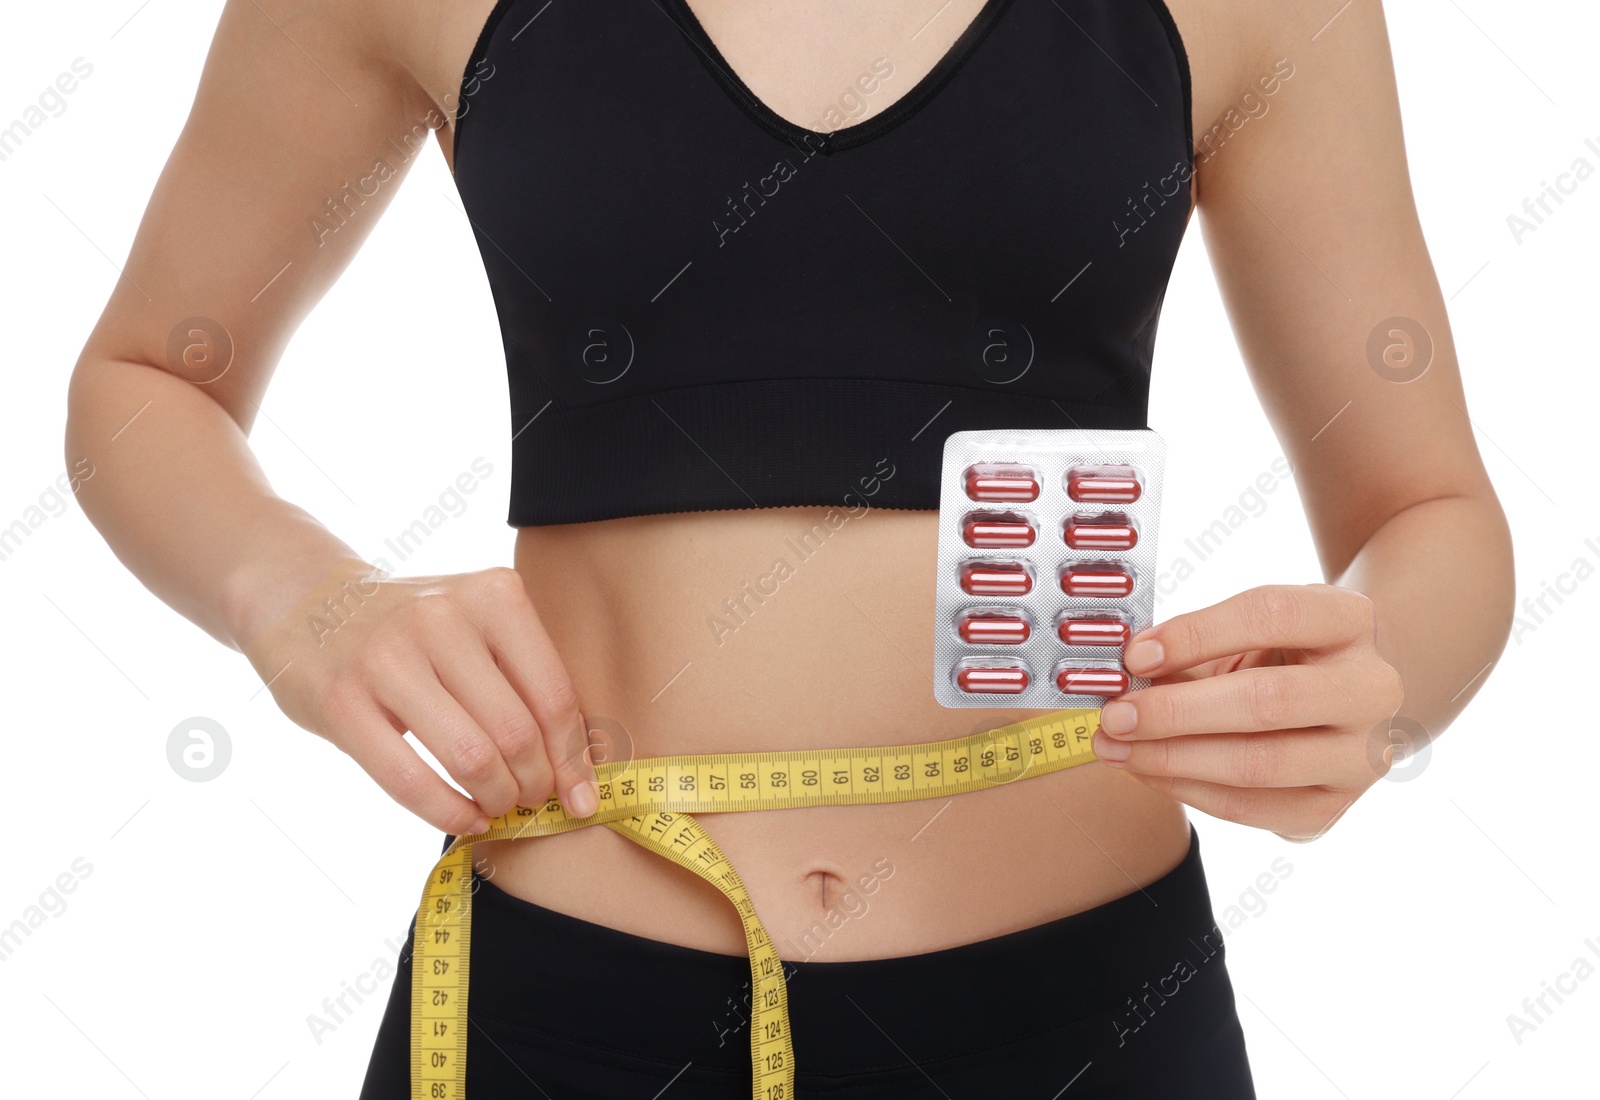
(299, 104)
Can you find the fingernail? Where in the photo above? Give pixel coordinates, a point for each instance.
(1119, 717)
(1145, 656)
(584, 800)
(481, 825)
(1112, 752)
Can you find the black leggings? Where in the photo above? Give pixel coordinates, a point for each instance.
(1130, 999)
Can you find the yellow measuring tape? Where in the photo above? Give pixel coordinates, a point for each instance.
(649, 801)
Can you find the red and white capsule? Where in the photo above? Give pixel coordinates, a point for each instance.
(1103, 531)
(1092, 681)
(1006, 679)
(995, 578)
(1104, 484)
(1097, 580)
(997, 531)
(993, 628)
(995, 481)
(1095, 630)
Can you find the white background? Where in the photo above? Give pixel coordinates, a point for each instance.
(218, 915)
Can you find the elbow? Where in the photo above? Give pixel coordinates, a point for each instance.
(75, 450)
(1497, 554)
(1483, 527)
(1480, 529)
(99, 409)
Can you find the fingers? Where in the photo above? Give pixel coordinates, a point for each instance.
(1300, 616)
(411, 690)
(463, 661)
(377, 746)
(1282, 758)
(530, 664)
(467, 670)
(1250, 700)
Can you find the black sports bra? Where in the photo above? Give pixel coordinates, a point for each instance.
(705, 305)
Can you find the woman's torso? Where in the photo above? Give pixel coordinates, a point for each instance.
(671, 653)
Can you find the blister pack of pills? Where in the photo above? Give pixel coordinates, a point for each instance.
(1047, 562)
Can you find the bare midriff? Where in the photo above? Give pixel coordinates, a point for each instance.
(776, 628)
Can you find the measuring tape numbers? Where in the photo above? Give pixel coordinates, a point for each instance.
(650, 801)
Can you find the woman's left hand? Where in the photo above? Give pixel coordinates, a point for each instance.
(1262, 709)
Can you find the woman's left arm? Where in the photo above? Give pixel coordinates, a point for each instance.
(1273, 708)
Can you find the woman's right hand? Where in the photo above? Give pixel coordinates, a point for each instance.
(463, 662)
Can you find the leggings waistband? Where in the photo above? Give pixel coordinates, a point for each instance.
(617, 991)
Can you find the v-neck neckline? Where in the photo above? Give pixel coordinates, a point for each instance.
(858, 133)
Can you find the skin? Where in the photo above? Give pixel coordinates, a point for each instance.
(1269, 708)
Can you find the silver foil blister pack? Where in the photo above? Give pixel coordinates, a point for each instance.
(1047, 563)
